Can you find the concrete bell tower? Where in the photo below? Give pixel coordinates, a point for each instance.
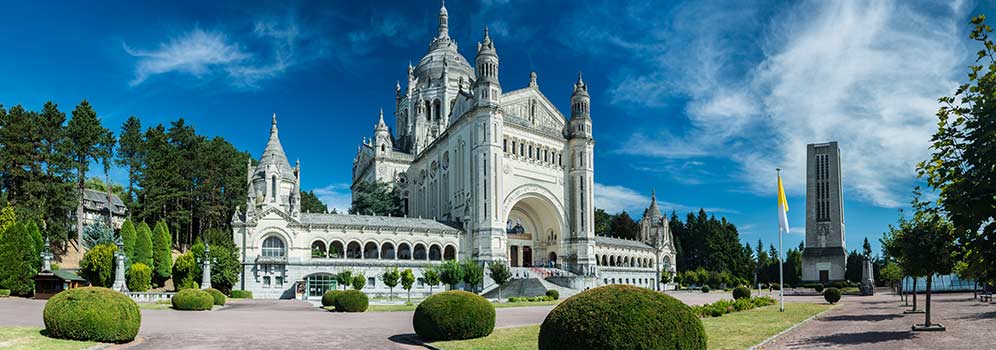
(581, 171)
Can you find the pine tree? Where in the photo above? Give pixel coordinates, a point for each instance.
(17, 260)
(129, 153)
(128, 237)
(162, 250)
(88, 141)
(375, 198)
(311, 204)
(143, 245)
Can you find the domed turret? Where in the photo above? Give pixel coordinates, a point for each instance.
(580, 123)
(487, 88)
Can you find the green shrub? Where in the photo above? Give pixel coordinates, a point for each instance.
(241, 294)
(741, 292)
(139, 277)
(775, 286)
(328, 299)
(4, 292)
(185, 272)
(143, 245)
(162, 253)
(92, 314)
(621, 317)
(359, 281)
(97, 265)
(831, 295)
(553, 293)
(818, 287)
(193, 300)
(217, 296)
(351, 301)
(762, 301)
(838, 285)
(19, 259)
(705, 289)
(454, 315)
(743, 304)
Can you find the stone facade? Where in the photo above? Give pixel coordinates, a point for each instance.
(483, 174)
(824, 257)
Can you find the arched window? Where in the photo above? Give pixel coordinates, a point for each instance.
(274, 246)
(382, 148)
(435, 253)
(419, 252)
(336, 250)
(428, 111)
(449, 253)
(387, 250)
(370, 250)
(353, 250)
(404, 251)
(436, 110)
(318, 249)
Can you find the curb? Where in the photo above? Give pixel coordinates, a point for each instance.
(771, 339)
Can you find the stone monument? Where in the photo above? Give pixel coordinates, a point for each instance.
(825, 255)
(867, 277)
(206, 274)
(119, 271)
(46, 256)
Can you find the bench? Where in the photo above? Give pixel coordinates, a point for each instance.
(986, 296)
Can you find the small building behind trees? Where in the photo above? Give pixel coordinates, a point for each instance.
(49, 283)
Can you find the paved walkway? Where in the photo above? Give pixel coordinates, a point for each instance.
(878, 322)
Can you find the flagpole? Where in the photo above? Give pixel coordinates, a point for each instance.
(781, 270)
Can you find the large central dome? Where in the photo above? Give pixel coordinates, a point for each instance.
(443, 55)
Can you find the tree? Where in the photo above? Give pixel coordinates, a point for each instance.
(162, 253)
(139, 277)
(143, 245)
(88, 141)
(962, 166)
(451, 273)
(624, 227)
(928, 243)
(129, 153)
(98, 264)
(391, 278)
(17, 257)
(359, 281)
(344, 278)
(500, 273)
(184, 272)
(128, 237)
(852, 269)
(96, 184)
(99, 233)
(225, 265)
(603, 223)
(311, 204)
(431, 275)
(891, 274)
(376, 198)
(7, 218)
(473, 274)
(407, 281)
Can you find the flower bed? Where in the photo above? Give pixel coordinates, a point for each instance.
(724, 306)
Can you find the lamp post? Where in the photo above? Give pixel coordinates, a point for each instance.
(119, 270)
(206, 270)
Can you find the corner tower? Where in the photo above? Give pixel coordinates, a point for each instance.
(581, 173)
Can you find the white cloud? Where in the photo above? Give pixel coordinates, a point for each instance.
(760, 86)
(614, 199)
(336, 196)
(196, 53)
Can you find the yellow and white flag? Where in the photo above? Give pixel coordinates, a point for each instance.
(783, 207)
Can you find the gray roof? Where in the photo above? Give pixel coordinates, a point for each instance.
(100, 197)
(377, 221)
(274, 155)
(621, 242)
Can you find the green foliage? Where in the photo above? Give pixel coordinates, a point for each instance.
(375, 198)
(311, 204)
(391, 278)
(473, 274)
(852, 269)
(704, 241)
(538, 298)
(87, 141)
(192, 299)
(328, 299)
(92, 314)
(603, 222)
(225, 265)
(454, 315)
(162, 253)
(705, 289)
(500, 273)
(99, 233)
(723, 306)
(128, 237)
(624, 227)
(139, 277)
(217, 296)
(553, 293)
(407, 281)
(344, 278)
(831, 295)
(619, 317)
(185, 272)
(432, 277)
(7, 218)
(18, 254)
(4, 293)
(451, 273)
(818, 288)
(143, 245)
(351, 301)
(241, 294)
(129, 153)
(97, 265)
(359, 281)
(741, 292)
(775, 286)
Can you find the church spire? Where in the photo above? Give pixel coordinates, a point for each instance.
(444, 31)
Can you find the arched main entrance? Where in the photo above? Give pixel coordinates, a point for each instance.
(533, 227)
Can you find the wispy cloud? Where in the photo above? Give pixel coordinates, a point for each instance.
(336, 196)
(614, 199)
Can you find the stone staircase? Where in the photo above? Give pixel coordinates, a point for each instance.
(531, 282)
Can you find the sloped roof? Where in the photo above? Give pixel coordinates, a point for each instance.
(378, 221)
(100, 197)
(619, 242)
(274, 155)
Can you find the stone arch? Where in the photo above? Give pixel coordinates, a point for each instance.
(625, 261)
(370, 250)
(449, 253)
(419, 252)
(541, 216)
(336, 249)
(318, 249)
(387, 251)
(354, 250)
(404, 251)
(435, 252)
(274, 245)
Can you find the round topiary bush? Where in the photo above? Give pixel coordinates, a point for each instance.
(92, 314)
(705, 289)
(217, 295)
(775, 286)
(553, 293)
(831, 295)
(741, 292)
(193, 300)
(818, 287)
(241, 294)
(328, 299)
(619, 317)
(454, 315)
(351, 301)
(838, 285)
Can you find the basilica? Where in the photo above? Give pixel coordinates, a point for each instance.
(484, 174)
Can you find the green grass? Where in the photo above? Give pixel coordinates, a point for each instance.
(159, 305)
(28, 338)
(738, 330)
(402, 307)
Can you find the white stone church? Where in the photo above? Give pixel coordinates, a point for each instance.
(483, 174)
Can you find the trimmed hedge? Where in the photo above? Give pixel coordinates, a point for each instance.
(217, 295)
(454, 315)
(328, 299)
(818, 287)
(193, 300)
(775, 286)
(741, 292)
(351, 301)
(831, 295)
(705, 289)
(92, 314)
(838, 285)
(241, 294)
(622, 317)
(723, 306)
(553, 293)
(530, 299)
(139, 277)
(4, 292)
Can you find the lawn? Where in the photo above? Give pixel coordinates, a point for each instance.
(28, 338)
(739, 330)
(402, 307)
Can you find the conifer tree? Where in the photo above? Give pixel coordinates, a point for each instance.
(129, 152)
(17, 260)
(88, 141)
(143, 245)
(162, 249)
(128, 237)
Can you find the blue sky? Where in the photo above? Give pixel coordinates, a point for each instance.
(700, 100)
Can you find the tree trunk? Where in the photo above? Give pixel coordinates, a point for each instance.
(926, 320)
(914, 293)
(499, 293)
(79, 206)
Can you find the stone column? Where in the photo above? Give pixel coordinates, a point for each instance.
(867, 277)
(119, 272)
(46, 256)
(206, 269)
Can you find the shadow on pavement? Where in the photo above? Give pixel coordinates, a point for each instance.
(869, 318)
(407, 339)
(857, 338)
